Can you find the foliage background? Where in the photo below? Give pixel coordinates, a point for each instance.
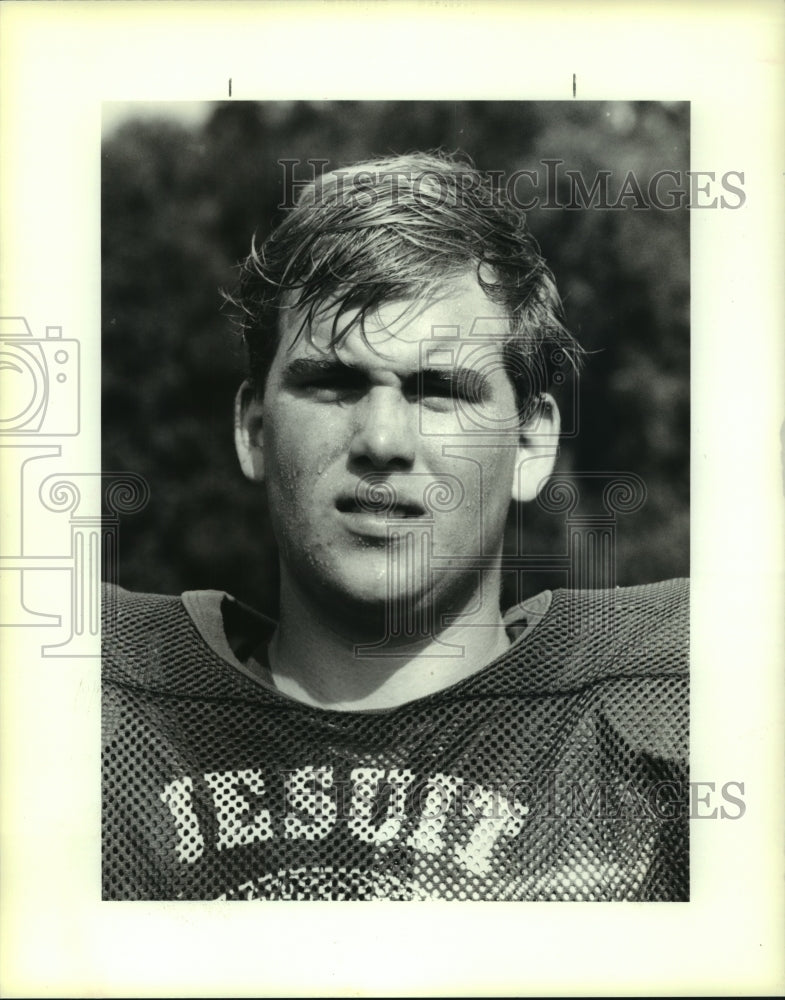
(181, 196)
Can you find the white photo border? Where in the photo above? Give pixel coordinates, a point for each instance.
(60, 61)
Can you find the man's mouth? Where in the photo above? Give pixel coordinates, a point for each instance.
(387, 506)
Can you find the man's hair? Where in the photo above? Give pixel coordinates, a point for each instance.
(389, 229)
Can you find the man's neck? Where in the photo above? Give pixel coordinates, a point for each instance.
(315, 661)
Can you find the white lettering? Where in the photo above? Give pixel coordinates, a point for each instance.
(306, 792)
(233, 809)
(496, 820)
(365, 789)
(440, 792)
(177, 796)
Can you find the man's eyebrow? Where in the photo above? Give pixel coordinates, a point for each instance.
(466, 382)
(301, 368)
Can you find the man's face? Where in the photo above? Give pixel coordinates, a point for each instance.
(388, 456)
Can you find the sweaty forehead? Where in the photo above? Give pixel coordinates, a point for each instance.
(458, 309)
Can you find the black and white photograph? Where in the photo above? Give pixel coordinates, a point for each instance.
(429, 525)
(392, 479)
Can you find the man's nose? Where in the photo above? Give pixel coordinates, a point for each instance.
(385, 430)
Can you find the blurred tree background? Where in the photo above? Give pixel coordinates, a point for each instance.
(179, 204)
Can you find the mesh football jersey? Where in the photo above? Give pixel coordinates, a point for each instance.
(557, 772)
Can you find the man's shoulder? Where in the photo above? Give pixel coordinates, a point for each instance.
(123, 611)
(623, 651)
(174, 646)
(670, 593)
(645, 603)
(653, 611)
(597, 636)
(143, 635)
(131, 600)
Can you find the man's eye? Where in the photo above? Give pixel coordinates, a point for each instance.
(441, 391)
(332, 388)
(440, 399)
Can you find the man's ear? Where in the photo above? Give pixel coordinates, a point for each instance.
(538, 446)
(248, 432)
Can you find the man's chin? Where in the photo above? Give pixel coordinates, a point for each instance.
(372, 608)
(376, 598)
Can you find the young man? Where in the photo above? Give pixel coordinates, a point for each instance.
(395, 735)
